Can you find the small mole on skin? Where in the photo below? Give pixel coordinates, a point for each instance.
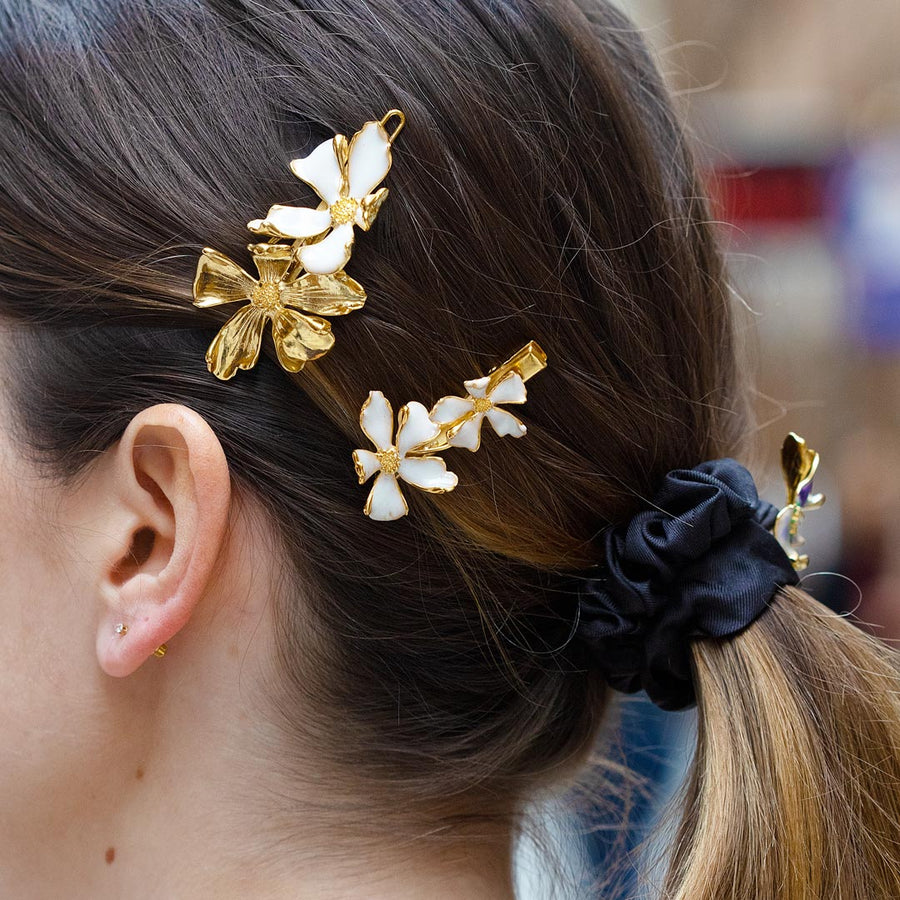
(233, 651)
(110, 854)
(139, 774)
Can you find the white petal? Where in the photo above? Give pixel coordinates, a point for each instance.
(327, 256)
(782, 529)
(429, 473)
(510, 390)
(448, 409)
(377, 420)
(505, 423)
(322, 170)
(293, 221)
(366, 464)
(469, 436)
(477, 386)
(417, 428)
(385, 501)
(370, 159)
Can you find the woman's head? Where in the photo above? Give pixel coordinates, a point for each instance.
(541, 190)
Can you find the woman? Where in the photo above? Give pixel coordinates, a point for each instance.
(347, 707)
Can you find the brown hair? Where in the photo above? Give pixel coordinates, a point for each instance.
(543, 189)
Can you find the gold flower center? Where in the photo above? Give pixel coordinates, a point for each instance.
(482, 404)
(389, 460)
(266, 295)
(343, 211)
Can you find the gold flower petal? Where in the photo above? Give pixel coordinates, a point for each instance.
(299, 338)
(272, 260)
(220, 280)
(236, 346)
(798, 465)
(342, 155)
(369, 207)
(327, 295)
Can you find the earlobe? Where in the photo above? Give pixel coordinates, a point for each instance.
(170, 489)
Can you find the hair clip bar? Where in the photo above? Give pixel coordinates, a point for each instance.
(452, 422)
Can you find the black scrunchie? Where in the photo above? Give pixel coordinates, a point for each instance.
(702, 562)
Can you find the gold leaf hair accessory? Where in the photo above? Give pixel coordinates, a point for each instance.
(452, 422)
(346, 175)
(799, 464)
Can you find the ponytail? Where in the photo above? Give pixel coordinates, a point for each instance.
(795, 790)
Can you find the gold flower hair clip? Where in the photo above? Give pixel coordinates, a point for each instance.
(799, 464)
(452, 422)
(345, 174)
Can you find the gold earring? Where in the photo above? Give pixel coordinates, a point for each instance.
(122, 628)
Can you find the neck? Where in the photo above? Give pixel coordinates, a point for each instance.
(175, 799)
(176, 833)
(372, 872)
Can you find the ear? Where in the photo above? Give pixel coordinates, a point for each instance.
(170, 492)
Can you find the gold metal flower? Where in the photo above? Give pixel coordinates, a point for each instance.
(799, 463)
(277, 296)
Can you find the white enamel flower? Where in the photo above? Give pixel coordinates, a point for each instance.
(392, 461)
(345, 177)
(479, 404)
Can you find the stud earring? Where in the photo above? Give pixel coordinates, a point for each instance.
(122, 628)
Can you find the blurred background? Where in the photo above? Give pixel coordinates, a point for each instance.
(794, 107)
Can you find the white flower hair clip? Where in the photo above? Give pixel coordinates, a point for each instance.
(345, 174)
(452, 422)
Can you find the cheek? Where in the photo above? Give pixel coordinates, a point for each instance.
(22, 571)
(26, 585)
(47, 665)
